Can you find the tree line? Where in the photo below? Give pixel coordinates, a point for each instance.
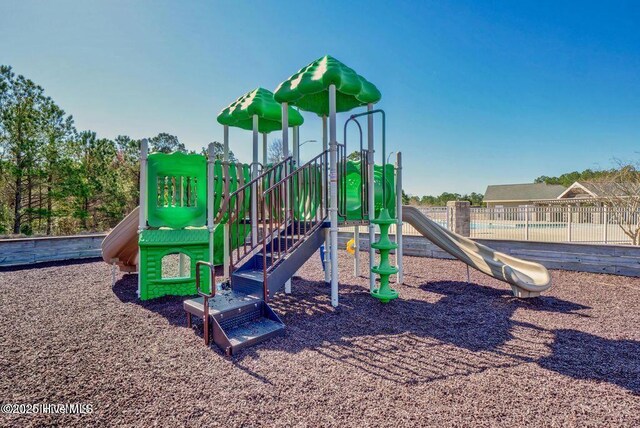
(441, 200)
(56, 179)
(568, 178)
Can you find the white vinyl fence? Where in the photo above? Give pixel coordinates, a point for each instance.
(595, 225)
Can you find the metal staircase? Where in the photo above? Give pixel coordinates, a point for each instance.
(291, 219)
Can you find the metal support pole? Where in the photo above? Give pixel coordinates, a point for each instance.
(285, 130)
(225, 154)
(399, 263)
(325, 203)
(468, 274)
(254, 187)
(333, 205)
(265, 150)
(210, 225)
(296, 159)
(285, 151)
(142, 221)
(356, 253)
(296, 146)
(371, 197)
(226, 252)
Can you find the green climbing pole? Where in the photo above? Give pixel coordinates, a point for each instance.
(384, 293)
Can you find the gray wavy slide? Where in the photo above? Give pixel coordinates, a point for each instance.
(527, 279)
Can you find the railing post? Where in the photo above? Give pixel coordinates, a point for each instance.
(399, 224)
(526, 222)
(285, 151)
(569, 215)
(254, 187)
(333, 206)
(142, 221)
(371, 196)
(356, 253)
(325, 200)
(605, 215)
(226, 250)
(447, 218)
(210, 196)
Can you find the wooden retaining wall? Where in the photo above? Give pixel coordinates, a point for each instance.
(26, 251)
(612, 259)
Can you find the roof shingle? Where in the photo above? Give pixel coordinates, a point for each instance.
(522, 192)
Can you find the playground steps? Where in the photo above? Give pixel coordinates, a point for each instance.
(249, 278)
(237, 320)
(240, 317)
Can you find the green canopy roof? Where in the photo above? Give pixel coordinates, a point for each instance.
(309, 88)
(260, 101)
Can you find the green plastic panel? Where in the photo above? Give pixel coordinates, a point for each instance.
(308, 89)
(307, 192)
(157, 243)
(260, 102)
(354, 191)
(177, 190)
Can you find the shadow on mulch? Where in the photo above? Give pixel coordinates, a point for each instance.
(582, 355)
(398, 340)
(170, 307)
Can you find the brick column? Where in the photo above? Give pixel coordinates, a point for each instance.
(460, 215)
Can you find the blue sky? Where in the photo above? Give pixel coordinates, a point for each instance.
(476, 93)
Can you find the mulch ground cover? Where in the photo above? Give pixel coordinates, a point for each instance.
(447, 353)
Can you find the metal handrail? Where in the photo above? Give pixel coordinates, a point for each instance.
(384, 146)
(364, 177)
(213, 279)
(292, 173)
(238, 198)
(255, 180)
(205, 296)
(278, 201)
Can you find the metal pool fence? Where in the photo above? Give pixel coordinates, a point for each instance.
(594, 225)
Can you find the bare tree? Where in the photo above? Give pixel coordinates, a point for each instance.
(620, 191)
(275, 153)
(354, 156)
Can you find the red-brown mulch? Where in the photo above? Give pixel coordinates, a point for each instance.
(446, 353)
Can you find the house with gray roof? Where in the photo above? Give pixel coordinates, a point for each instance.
(592, 191)
(515, 195)
(503, 198)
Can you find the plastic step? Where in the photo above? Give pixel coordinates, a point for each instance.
(252, 332)
(248, 282)
(223, 302)
(246, 326)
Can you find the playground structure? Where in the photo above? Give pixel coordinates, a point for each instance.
(262, 222)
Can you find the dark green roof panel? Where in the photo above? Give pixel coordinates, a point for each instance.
(259, 102)
(308, 89)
